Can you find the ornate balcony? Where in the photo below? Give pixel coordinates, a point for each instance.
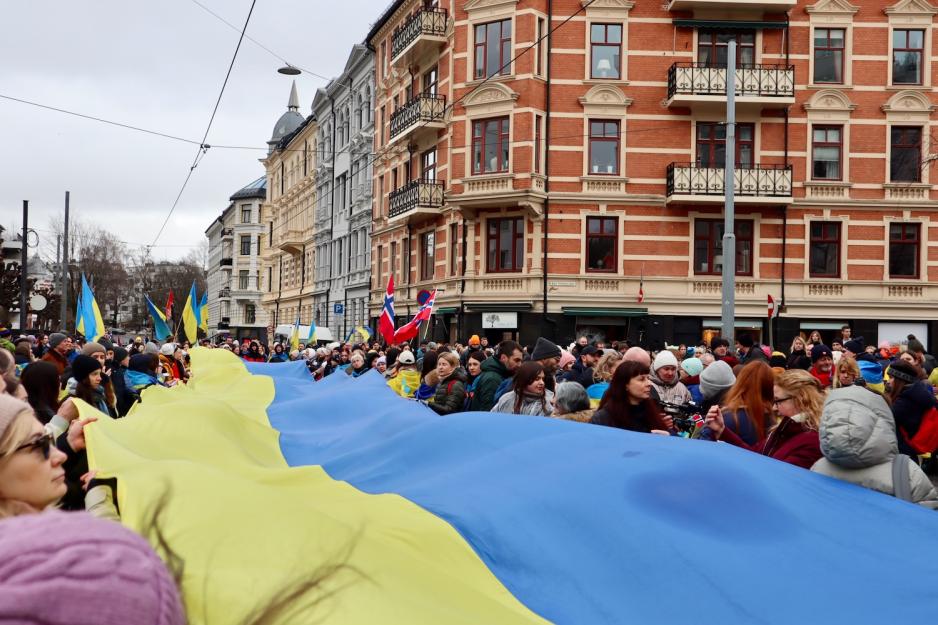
(424, 113)
(226, 262)
(225, 293)
(699, 85)
(757, 184)
(418, 197)
(227, 233)
(766, 6)
(292, 241)
(422, 34)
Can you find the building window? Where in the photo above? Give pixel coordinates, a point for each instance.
(539, 48)
(829, 55)
(243, 279)
(905, 156)
(711, 47)
(379, 270)
(392, 259)
(427, 255)
(538, 141)
(907, 56)
(490, 146)
(903, 250)
(826, 152)
(601, 241)
(711, 145)
(428, 165)
(246, 245)
(708, 247)
(606, 50)
(505, 244)
(430, 82)
(824, 252)
(245, 213)
(453, 249)
(493, 49)
(250, 314)
(604, 147)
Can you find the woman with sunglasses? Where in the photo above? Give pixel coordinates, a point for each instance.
(798, 400)
(31, 474)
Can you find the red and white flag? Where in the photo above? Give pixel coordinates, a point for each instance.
(773, 309)
(641, 286)
(412, 328)
(386, 321)
(170, 306)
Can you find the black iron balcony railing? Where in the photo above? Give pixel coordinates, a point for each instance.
(226, 292)
(749, 181)
(226, 262)
(430, 21)
(423, 108)
(416, 194)
(774, 81)
(227, 232)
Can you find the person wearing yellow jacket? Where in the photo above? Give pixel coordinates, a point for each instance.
(407, 379)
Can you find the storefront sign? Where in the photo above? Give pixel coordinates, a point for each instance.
(500, 320)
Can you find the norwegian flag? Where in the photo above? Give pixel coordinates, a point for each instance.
(386, 321)
(641, 286)
(410, 329)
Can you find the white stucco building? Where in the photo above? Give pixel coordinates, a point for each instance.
(234, 296)
(344, 142)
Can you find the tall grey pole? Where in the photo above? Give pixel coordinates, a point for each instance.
(729, 217)
(24, 270)
(63, 309)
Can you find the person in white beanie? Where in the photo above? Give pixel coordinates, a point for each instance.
(666, 385)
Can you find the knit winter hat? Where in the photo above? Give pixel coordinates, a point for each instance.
(168, 349)
(56, 339)
(92, 348)
(692, 366)
(98, 571)
(915, 346)
(566, 358)
(151, 348)
(716, 378)
(474, 340)
(664, 358)
(83, 366)
(10, 407)
(820, 350)
(545, 349)
(120, 354)
(857, 345)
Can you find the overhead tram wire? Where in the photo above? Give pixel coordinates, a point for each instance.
(203, 147)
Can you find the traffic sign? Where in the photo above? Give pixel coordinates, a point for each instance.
(338, 309)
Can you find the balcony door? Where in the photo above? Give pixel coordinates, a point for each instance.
(712, 46)
(711, 145)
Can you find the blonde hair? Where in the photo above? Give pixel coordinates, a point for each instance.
(805, 391)
(846, 364)
(606, 366)
(449, 357)
(15, 435)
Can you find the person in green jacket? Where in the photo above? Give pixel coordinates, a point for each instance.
(508, 357)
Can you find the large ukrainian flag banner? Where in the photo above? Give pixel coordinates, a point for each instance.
(488, 519)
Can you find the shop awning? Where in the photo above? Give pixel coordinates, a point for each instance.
(452, 310)
(822, 325)
(573, 311)
(728, 24)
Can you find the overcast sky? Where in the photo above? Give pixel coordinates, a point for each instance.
(157, 65)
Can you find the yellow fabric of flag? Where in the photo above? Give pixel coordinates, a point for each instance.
(248, 526)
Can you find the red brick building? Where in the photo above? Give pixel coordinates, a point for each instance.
(531, 162)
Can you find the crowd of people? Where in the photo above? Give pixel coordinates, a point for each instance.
(863, 414)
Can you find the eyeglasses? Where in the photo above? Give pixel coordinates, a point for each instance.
(780, 400)
(43, 443)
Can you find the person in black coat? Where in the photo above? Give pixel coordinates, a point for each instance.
(124, 398)
(582, 370)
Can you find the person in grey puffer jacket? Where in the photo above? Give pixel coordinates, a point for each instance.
(858, 440)
(666, 385)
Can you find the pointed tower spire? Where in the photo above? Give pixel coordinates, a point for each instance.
(294, 104)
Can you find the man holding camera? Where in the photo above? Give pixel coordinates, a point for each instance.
(666, 386)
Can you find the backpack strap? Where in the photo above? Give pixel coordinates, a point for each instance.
(900, 478)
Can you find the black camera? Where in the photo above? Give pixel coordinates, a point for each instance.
(686, 417)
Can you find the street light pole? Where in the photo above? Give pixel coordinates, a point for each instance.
(24, 270)
(63, 309)
(729, 217)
